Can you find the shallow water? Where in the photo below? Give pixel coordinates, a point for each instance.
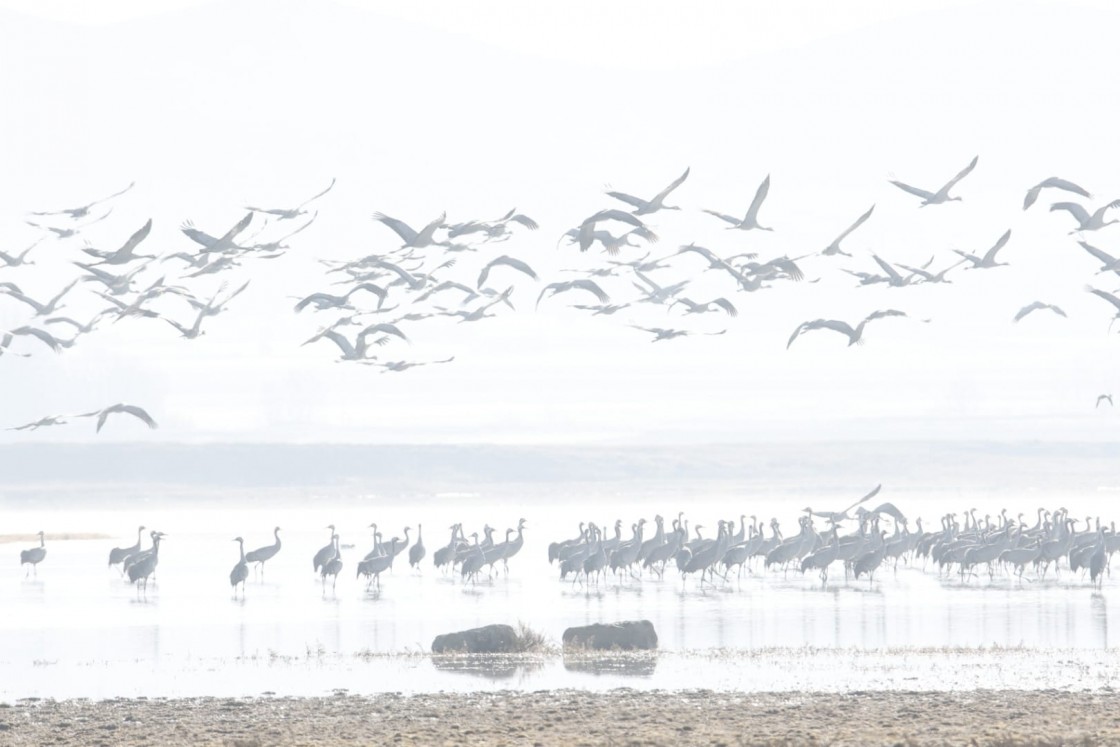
(78, 629)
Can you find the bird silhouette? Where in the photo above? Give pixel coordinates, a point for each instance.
(941, 195)
(854, 335)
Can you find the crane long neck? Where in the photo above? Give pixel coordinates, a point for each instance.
(241, 547)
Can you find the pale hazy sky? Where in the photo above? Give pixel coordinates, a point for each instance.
(476, 108)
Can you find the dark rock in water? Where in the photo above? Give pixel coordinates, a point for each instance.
(490, 639)
(625, 636)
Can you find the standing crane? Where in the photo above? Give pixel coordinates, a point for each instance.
(333, 565)
(34, 556)
(325, 553)
(416, 552)
(119, 554)
(262, 554)
(145, 566)
(240, 571)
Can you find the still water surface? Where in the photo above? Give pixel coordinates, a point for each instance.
(78, 629)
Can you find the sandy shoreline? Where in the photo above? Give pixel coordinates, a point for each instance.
(571, 717)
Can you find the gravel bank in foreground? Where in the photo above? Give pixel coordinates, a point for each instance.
(570, 717)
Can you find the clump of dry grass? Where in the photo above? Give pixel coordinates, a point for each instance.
(529, 641)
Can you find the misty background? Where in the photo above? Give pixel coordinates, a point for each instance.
(415, 110)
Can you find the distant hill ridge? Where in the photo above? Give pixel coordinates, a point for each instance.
(900, 464)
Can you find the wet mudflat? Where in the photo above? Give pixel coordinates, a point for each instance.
(576, 717)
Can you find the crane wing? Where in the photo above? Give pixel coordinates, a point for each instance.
(859, 222)
(707, 254)
(1107, 297)
(874, 492)
(115, 194)
(970, 257)
(800, 328)
(376, 290)
(963, 173)
(726, 218)
(42, 335)
(508, 262)
(342, 343)
(616, 215)
(402, 229)
(883, 314)
(136, 238)
(1103, 256)
(587, 228)
(1053, 183)
(1035, 306)
(404, 274)
(429, 230)
(926, 274)
(726, 305)
(676, 183)
(887, 268)
(637, 202)
(1032, 195)
(890, 510)
(585, 235)
(788, 266)
(133, 410)
(317, 196)
(756, 203)
(835, 325)
(592, 287)
(1078, 212)
(518, 265)
(483, 275)
(238, 227)
(61, 293)
(525, 221)
(462, 229)
(383, 328)
(197, 236)
(305, 225)
(913, 190)
(991, 255)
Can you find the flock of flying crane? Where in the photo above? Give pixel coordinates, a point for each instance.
(1006, 545)
(448, 270)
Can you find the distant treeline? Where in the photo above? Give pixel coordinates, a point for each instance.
(899, 465)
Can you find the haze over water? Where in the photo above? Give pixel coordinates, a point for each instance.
(78, 629)
(414, 110)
